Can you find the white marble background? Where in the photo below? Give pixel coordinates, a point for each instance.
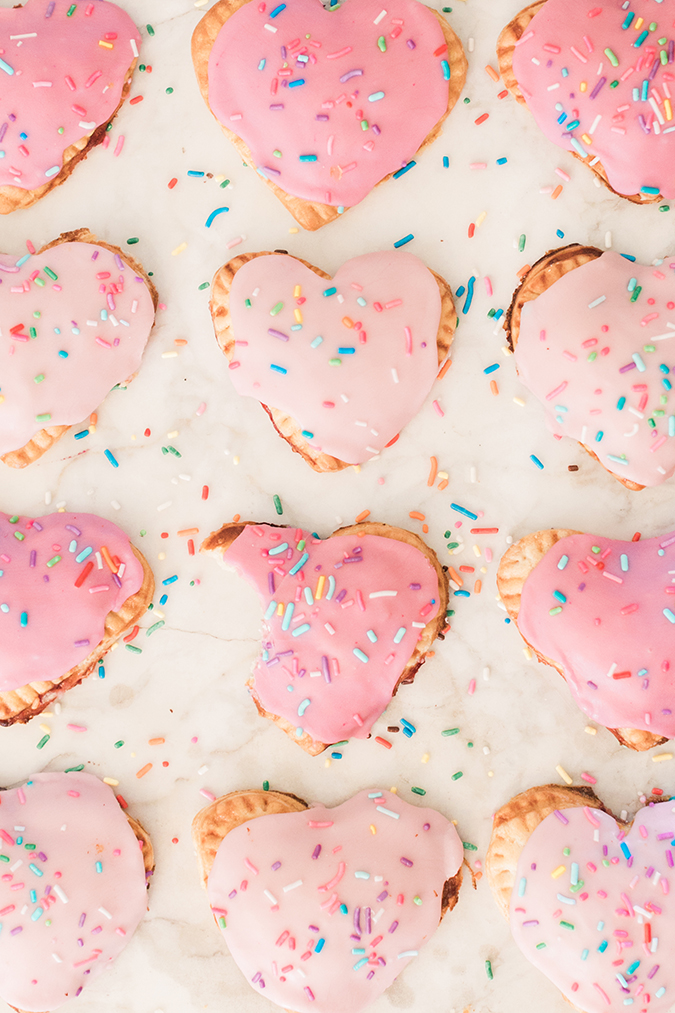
(189, 680)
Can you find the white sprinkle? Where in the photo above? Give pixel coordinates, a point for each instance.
(596, 302)
(271, 28)
(387, 812)
(60, 894)
(202, 769)
(106, 914)
(612, 670)
(163, 506)
(418, 626)
(595, 124)
(292, 886)
(57, 958)
(270, 896)
(379, 17)
(134, 47)
(383, 594)
(394, 375)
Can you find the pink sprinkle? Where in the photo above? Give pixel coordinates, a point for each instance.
(20, 795)
(439, 411)
(563, 175)
(251, 866)
(590, 816)
(665, 886)
(659, 443)
(119, 146)
(335, 880)
(319, 824)
(120, 931)
(643, 831)
(602, 993)
(201, 409)
(472, 687)
(611, 576)
(234, 242)
(98, 589)
(76, 728)
(408, 340)
(478, 165)
(106, 344)
(588, 778)
(207, 794)
(524, 38)
(488, 286)
(558, 390)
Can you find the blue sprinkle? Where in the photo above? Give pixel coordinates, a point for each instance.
(110, 457)
(406, 168)
(330, 291)
(469, 295)
(170, 580)
(462, 594)
(277, 10)
(346, 351)
(278, 369)
(164, 599)
(445, 67)
(624, 846)
(308, 158)
(628, 256)
(463, 510)
(81, 435)
(535, 460)
(460, 291)
(502, 161)
(560, 234)
(214, 215)
(195, 172)
(491, 369)
(296, 84)
(402, 242)
(446, 165)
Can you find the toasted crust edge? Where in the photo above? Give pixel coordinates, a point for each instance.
(505, 46)
(541, 276)
(286, 426)
(217, 544)
(44, 439)
(309, 214)
(19, 705)
(514, 568)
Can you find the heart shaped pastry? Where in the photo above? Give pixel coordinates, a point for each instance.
(602, 612)
(594, 341)
(322, 908)
(74, 321)
(70, 585)
(325, 104)
(345, 362)
(347, 619)
(588, 896)
(72, 887)
(65, 74)
(597, 85)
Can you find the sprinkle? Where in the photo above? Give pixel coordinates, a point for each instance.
(402, 242)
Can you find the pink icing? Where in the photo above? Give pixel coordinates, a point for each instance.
(310, 673)
(617, 618)
(90, 325)
(351, 388)
(595, 908)
(259, 58)
(38, 569)
(63, 920)
(58, 82)
(584, 352)
(322, 909)
(568, 80)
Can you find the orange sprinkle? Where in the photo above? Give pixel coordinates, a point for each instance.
(134, 101)
(144, 770)
(383, 742)
(455, 576)
(491, 72)
(432, 471)
(172, 183)
(556, 193)
(416, 515)
(188, 531)
(425, 529)
(362, 516)
(361, 533)
(443, 485)
(444, 368)
(467, 569)
(130, 636)
(180, 341)
(108, 558)
(156, 742)
(191, 547)
(237, 517)
(205, 492)
(430, 654)
(477, 587)
(636, 537)
(93, 419)
(493, 387)
(472, 230)
(482, 119)
(523, 271)
(347, 321)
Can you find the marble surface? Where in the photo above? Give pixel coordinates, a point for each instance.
(188, 683)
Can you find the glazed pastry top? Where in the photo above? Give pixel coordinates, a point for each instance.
(330, 101)
(322, 909)
(598, 79)
(351, 359)
(60, 575)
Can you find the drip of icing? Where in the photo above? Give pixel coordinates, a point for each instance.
(351, 389)
(61, 78)
(74, 822)
(371, 893)
(610, 938)
(612, 623)
(83, 323)
(325, 112)
(585, 351)
(48, 626)
(346, 694)
(597, 86)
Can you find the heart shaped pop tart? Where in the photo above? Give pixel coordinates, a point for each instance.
(347, 619)
(74, 321)
(596, 79)
(594, 341)
(345, 362)
(65, 73)
(326, 104)
(72, 891)
(588, 896)
(602, 612)
(322, 908)
(70, 585)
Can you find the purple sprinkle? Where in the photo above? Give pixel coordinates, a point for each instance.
(116, 342)
(582, 586)
(406, 862)
(669, 857)
(592, 685)
(273, 172)
(643, 123)
(382, 896)
(313, 928)
(117, 580)
(45, 578)
(277, 334)
(50, 9)
(370, 975)
(16, 931)
(309, 993)
(664, 711)
(598, 88)
(393, 926)
(415, 587)
(76, 531)
(272, 661)
(350, 74)
(376, 130)
(322, 117)
(233, 893)
(38, 527)
(80, 942)
(427, 826)
(604, 851)
(12, 117)
(410, 44)
(353, 559)
(43, 858)
(653, 71)
(316, 852)
(368, 925)
(357, 919)
(119, 261)
(78, 991)
(324, 668)
(625, 369)
(533, 922)
(81, 643)
(650, 871)
(563, 819)
(533, 867)
(277, 865)
(355, 935)
(262, 982)
(283, 52)
(341, 595)
(3, 130)
(302, 672)
(94, 255)
(277, 106)
(653, 971)
(357, 551)
(671, 51)
(284, 654)
(96, 931)
(270, 582)
(33, 557)
(82, 920)
(256, 977)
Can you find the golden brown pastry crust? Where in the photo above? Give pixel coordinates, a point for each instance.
(514, 568)
(217, 544)
(505, 47)
(285, 425)
(46, 438)
(546, 272)
(17, 706)
(215, 821)
(308, 214)
(13, 197)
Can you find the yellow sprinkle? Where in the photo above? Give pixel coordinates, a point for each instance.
(638, 24)
(476, 551)
(161, 555)
(583, 86)
(528, 653)
(668, 107)
(111, 781)
(491, 773)
(172, 435)
(425, 758)
(235, 460)
(219, 178)
(586, 139)
(442, 475)
(661, 756)
(590, 730)
(327, 762)
(519, 400)
(393, 790)
(357, 468)
(156, 612)
(481, 218)
(2, 398)
(46, 729)
(169, 355)
(92, 429)
(558, 872)
(373, 829)
(179, 249)
(133, 437)
(483, 569)
(115, 645)
(506, 350)
(297, 291)
(563, 773)
(106, 45)
(280, 609)
(61, 510)
(201, 3)
(293, 231)
(319, 587)
(298, 316)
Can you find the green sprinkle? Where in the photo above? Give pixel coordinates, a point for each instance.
(43, 741)
(266, 786)
(150, 30)
(225, 183)
(169, 91)
(53, 561)
(4, 858)
(665, 207)
(133, 241)
(592, 356)
(567, 925)
(14, 519)
(595, 549)
(222, 922)
(418, 791)
(521, 243)
(74, 770)
(133, 649)
(204, 284)
(277, 504)
(382, 44)
(50, 274)
(176, 453)
(276, 309)
(40, 282)
(71, 10)
(612, 57)
(30, 847)
(19, 536)
(452, 545)
(456, 777)
(636, 294)
(43, 418)
(469, 847)
(488, 970)
(540, 946)
(450, 731)
(119, 743)
(277, 153)
(566, 852)
(335, 362)
(555, 611)
(418, 901)
(155, 626)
